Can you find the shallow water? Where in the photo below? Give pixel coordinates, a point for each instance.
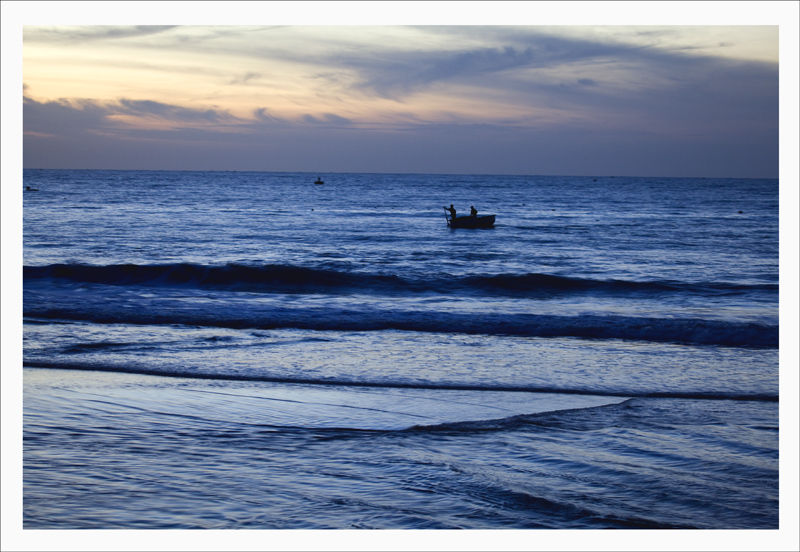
(167, 453)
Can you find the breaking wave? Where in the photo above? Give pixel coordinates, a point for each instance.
(693, 331)
(240, 311)
(280, 278)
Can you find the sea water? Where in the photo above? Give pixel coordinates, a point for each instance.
(247, 350)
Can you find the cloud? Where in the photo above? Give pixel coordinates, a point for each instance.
(524, 88)
(539, 70)
(64, 117)
(76, 34)
(80, 116)
(490, 72)
(130, 118)
(327, 119)
(395, 74)
(247, 77)
(167, 112)
(88, 134)
(263, 117)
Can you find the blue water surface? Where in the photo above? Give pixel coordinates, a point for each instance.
(234, 350)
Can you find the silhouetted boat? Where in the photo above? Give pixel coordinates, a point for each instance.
(318, 181)
(469, 221)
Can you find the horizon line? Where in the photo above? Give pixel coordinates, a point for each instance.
(595, 176)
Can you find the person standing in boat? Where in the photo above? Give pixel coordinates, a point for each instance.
(452, 211)
(473, 212)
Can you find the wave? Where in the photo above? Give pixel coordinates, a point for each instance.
(280, 278)
(188, 374)
(693, 331)
(670, 330)
(241, 312)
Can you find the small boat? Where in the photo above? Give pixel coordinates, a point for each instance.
(469, 221)
(318, 181)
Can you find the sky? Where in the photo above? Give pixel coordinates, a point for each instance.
(429, 97)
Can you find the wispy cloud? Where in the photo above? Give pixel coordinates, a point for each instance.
(87, 33)
(78, 116)
(327, 119)
(129, 117)
(245, 78)
(167, 112)
(533, 62)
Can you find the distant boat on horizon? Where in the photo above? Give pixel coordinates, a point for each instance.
(319, 181)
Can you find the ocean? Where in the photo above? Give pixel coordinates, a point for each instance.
(251, 350)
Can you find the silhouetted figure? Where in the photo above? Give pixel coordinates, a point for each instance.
(452, 211)
(473, 212)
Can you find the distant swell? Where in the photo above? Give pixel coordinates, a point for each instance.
(279, 278)
(127, 369)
